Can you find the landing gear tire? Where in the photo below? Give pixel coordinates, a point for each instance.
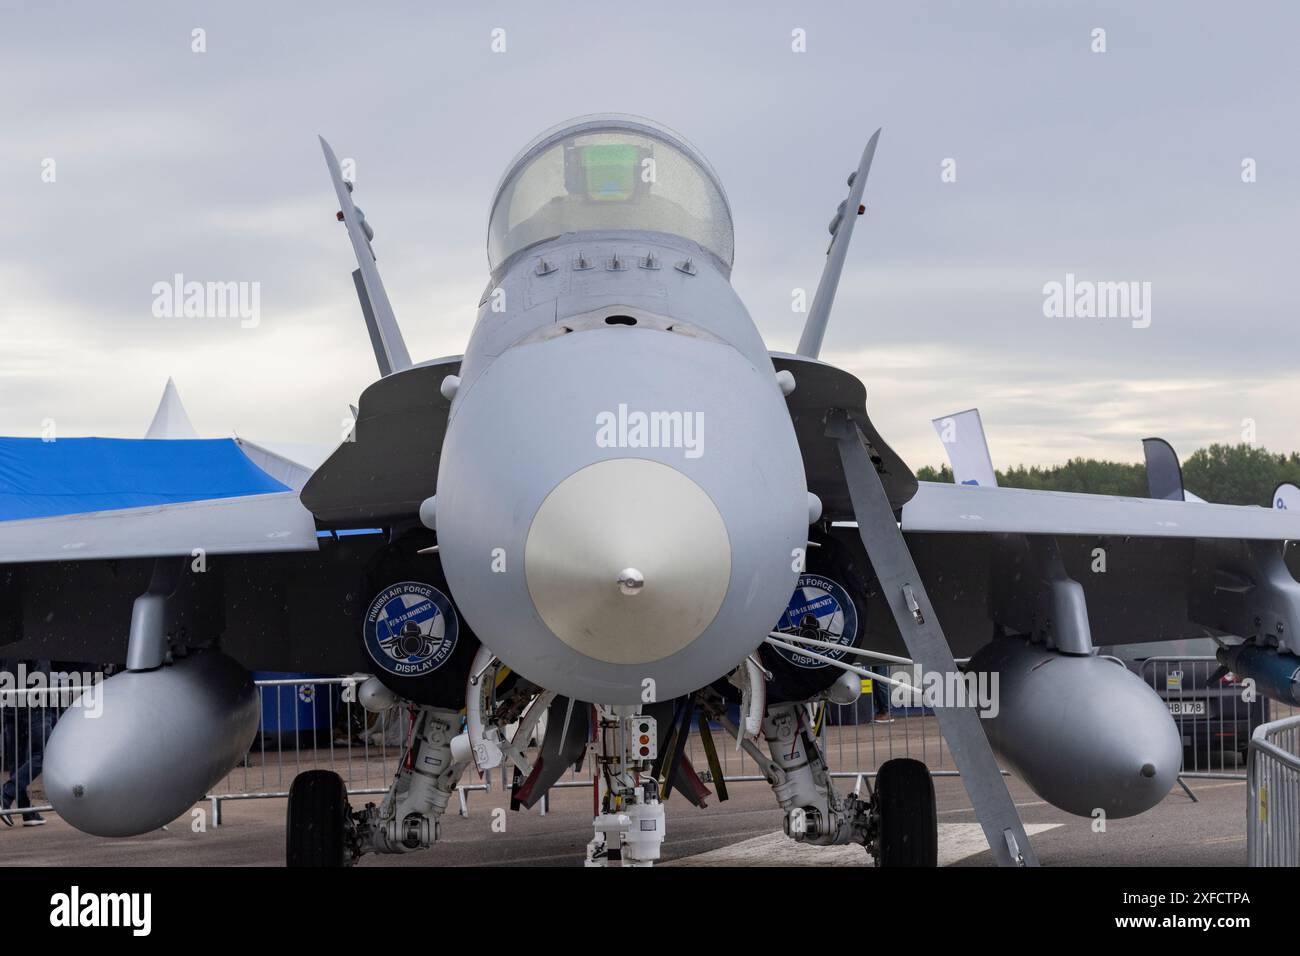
(908, 833)
(318, 820)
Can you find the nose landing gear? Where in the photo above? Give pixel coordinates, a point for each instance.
(630, 823)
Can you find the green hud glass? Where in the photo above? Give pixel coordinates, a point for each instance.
(606, 172)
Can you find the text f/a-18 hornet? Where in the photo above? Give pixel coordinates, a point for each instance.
(621, 517)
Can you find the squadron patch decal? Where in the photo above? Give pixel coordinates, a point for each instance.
(822, 610)
(410, 629)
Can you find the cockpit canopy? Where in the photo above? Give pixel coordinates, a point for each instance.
(608, 172)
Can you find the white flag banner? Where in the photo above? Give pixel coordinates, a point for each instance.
(962, 435)
(1286, 497)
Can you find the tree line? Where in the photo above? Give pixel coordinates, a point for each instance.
(1228, 474)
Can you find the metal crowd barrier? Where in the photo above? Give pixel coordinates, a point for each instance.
(27, 717)
(1213, 715)
(856, 738)
(364, 749)
(317, 723)
(1215, 721)
(327, 729)
(1273, 807)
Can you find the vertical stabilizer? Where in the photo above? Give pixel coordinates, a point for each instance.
(841, 228)
(385, 336)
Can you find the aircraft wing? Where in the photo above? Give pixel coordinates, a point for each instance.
(941, 507)
(244, 525)
(389, 464)
(820, 387)
(77, 499)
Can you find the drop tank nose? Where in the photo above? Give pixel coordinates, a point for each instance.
(1085, 733)
(155, 745)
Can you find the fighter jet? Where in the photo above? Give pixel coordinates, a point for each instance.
(620, 510)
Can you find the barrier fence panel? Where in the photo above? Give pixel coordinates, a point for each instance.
(1273, 804)
(1214, 719)
(1215, 711)
(27, 718)
(856, 739)
(317, 723)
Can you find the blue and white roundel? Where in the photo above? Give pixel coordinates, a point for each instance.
(410, 629)
(822, 610)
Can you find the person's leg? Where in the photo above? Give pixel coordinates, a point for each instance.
(14, 762)
(7, 801)
(12, 758)
(23, 779)
(880, 696)
(8, 757)
(41, 725)
(8, 741)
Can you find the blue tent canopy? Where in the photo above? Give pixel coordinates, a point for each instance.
(39, 479)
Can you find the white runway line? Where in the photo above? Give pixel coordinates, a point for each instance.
(956, 842)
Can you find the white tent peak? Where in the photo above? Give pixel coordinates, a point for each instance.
(171, 421)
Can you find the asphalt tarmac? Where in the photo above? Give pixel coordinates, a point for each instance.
(740, 832)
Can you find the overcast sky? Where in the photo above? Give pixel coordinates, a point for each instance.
(1117, 166)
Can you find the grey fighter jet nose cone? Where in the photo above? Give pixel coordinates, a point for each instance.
(606, 466)
(678, 539)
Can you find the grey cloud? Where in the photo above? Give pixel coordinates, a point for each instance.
(1117, 166)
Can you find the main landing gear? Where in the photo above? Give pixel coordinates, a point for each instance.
(324, 831)
(896, 823)
(906, 830)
